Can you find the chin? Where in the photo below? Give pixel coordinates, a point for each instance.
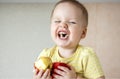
(62, 44)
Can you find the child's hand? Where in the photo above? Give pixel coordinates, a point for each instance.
(66, 74)
(41, 74)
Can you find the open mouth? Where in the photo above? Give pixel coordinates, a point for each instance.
(62, 35)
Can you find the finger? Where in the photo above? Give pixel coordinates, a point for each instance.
(35, 71)
(61, 73)
(56, 76)
(49, 74)
(46, 73)
(72, 68)
(40, 73)
(65, 69)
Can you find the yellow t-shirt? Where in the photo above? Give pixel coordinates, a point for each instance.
(84, 60)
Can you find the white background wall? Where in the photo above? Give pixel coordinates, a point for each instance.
(25, 31)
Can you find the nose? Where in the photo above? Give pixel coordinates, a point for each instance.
(63, 25)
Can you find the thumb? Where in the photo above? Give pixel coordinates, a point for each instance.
(72, 68)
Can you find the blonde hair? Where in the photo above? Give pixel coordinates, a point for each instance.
(77, 4)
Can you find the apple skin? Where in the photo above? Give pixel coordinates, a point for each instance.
(55, 66)
(43, 63)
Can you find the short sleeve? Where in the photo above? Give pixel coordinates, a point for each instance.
(45, 52)
(48, 52)
(91, 65)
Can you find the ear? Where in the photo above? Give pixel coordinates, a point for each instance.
(84, 33)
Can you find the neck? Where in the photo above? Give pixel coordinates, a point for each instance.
(66, 52)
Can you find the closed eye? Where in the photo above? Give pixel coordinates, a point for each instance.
(72, 22)
(57, 21)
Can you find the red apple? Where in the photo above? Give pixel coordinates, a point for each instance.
(55, 66)
(43, 63)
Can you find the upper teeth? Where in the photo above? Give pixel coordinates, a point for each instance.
(62, 34)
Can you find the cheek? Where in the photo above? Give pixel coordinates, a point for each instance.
(76, 33)
(53, 30)
(52, 27)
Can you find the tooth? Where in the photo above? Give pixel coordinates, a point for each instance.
(63, 35)
(60, 35)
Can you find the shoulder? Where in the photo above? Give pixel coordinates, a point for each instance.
(47, 51)
(86, 51)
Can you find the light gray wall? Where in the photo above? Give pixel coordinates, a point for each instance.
(24, 32)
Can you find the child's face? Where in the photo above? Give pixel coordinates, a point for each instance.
(67, 25)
